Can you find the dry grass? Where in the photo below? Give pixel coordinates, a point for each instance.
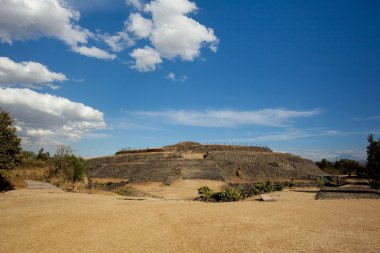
(106, 180)
(181, 189)
(193, 156)
(44, 174)
(18, 181)
(34, 173)
(12, 179)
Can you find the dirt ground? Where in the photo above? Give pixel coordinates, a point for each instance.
(51, 220)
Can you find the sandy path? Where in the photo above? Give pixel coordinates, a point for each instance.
(181, 189)
(33, 184)
(51, 220)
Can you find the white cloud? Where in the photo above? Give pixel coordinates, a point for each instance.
(291, 134)
(229, 118)
(45, 119)
(30, 73)
(119, 41)
(139, 26)
(171, 76)
(170, 31)
(146, 59)
(30, 19)
(94, 52)
(175, 34)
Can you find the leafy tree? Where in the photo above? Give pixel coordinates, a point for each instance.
(28, 155)
(347, 166)
(43, 156)
(10, 150)
(68, 166)
(325, 165)
(10, 144)
(373, 161)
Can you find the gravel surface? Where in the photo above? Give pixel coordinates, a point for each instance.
(32, 184)
(51, 220)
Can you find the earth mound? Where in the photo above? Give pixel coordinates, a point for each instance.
(192, 160)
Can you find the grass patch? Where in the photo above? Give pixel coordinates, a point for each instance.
(125, 191)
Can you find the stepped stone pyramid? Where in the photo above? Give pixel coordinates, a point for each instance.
(191, 160)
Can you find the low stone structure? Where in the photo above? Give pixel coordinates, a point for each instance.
(191, 160)
(347, 193)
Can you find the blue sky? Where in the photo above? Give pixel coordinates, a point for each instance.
(298, 76)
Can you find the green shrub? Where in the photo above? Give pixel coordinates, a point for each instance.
(67, 166)
(204, 192)
(232, 194)
(78, 168)
(239, 191)
(289, 184)
(321, 182)
(278, 186)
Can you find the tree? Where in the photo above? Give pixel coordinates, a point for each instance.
(347, 166)
(43, 156)
(10, 150)
(10, 144)
(68, 166)
(325, 165)
(373, 161)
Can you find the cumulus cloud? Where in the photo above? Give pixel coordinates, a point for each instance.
(44, 119)
(32, 74)
(30, 19)
(139, 26)
(164, 25)
(119, 41)
(170, 30)
(146, 59)
(175, 34)
(229, 118)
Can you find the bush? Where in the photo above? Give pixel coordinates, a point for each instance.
(5, 183)
(78, 168)
(231, 194)
(204, 192)
(321, 182)
(67, 166)
(239, 191)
